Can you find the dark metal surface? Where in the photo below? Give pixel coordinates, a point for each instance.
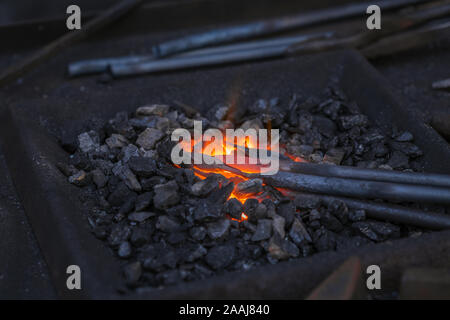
(425, 283)
(343, 284)
(23, 271)
(63, 235)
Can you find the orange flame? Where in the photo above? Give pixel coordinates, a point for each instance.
(228, 147)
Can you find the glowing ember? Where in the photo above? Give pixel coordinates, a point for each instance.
(228, 148)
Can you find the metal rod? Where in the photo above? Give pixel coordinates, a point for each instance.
(109, 16)
(92, 66)
(258, 44)
(393, 28)
(254, 29)
(359, 40)
(358, 188)
(102, 65)
(407, 40)
(121, 70)
(428, 179)
(387, 212)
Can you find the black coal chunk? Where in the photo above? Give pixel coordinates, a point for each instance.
(141, 236)
(220, 257)
(198, 233)
(263, 230)
(218, 229)
(132, 272)
(128, 205)
(365, 229)
(176, 237)
(120, 195)
(357, 215)
(339, 209)
(207, 210)
(143, 201)
(281, 249)
(140, 216)
(124, 250)
(233, 208)
(348, 122)
(195, 252)
(119, 234)
(167, 224)
(149, 183)
(169, 277)
(330, 222)
(211, 208)
(406, 148)
(204, 187)
(385, 230)
(324, 240)
(298, 233)
(250, 209)
(166, 195)
(398, 160)
(142, 166)
(287, 211)
(305, 202)
(326, 126)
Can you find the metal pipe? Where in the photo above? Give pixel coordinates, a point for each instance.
(102, 65)
(258, 44)
(254, 29)
(92, 66)
(359, 40)
(121, 70)
(358, 188)
(387, 212)
(428, 179)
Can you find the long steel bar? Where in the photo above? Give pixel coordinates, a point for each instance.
(358, 41)
(121, 70)
(384, 211)
(254, 29)
(358, 188)
(103, 64)
(428, 179)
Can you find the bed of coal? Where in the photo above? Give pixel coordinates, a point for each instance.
(170, 224)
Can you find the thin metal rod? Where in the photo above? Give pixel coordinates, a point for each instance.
(356, 41)
(102, 65)
(407, 40)
(261, 28)
(92, 66)
(358, 188)
(196, 61)
(383, 211)
(258, 44)
(393, 32)
(109, 16)
(428, 179)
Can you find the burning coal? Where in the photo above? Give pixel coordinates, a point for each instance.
(208, 204)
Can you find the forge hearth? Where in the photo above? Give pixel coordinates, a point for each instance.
(133, 221)
(175, 223)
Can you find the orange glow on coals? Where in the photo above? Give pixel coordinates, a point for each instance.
(228, 147)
